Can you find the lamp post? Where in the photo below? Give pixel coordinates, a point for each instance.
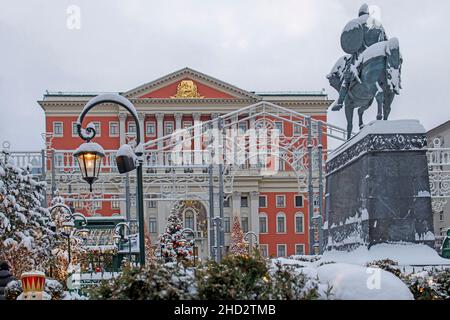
(68, 226)
(118, 237)
(251, 233)
(91, 153)
(189, 230)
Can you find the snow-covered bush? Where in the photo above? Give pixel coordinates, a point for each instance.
(387, 265)
(25, 229)
(429, 285)
(170, 281)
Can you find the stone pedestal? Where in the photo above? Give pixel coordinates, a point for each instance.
(378, 188)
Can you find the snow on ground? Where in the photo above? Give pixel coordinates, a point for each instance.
(405, 254)
(353, 282)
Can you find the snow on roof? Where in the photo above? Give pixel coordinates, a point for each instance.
(90, 147)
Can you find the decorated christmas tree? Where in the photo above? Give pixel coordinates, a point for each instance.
(238, 246)
(150, 257)
(25, 226)
(173, 244)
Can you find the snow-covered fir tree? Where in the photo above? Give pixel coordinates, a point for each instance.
(174, 246)
(150, 257)
(25, 229)
(238, 246)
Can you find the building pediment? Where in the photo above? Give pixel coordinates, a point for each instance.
(188, 84)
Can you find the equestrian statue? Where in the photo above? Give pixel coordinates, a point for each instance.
(371, 69)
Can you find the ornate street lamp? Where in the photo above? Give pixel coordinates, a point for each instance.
(118, 237)
(89, 156)
(126, 160)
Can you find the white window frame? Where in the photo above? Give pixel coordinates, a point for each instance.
(303, 201)
(239, 127)
(165, 127)
(300, 244)
(62, 129)
(284, 200)
(114, 200)
(282, 126)
(186, 124)
(74, 132)
(263, 215)
(266, 246)
(241, 202)
(285, 249)
(242, 224)
(118, 129)
(147, 124)
(281, 214)
(265, 201)
(299, 214)
(293, 130)
(128, 127)
(155, 224)
(227, 230)
(98, 129)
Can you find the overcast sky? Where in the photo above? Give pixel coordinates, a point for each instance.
(256, 45)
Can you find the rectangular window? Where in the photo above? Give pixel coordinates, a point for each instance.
(59, 161)
(226, 202)
(262, 224)
(441, 216)
(281, 201)
(244, 224)
(244, 202)
(226, 225)
(98, 129)
(97, 204)
(74, 129)
(264, 250)
(242, 127)
(187, 124)
(279, 126)
(58, 129)
(152, 225)
(297, 130)
(78, 204)
(263, 201)
(168, 127)
(150, 129)
(152, 203)
(299, 249)
(115, 203)
(281, 250)
(131, 127)
(298, 201)
(281, 224)
(299, 223)
(113, 129)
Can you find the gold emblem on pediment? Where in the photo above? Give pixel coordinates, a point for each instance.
(187, 89)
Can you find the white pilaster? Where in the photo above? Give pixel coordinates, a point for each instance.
(160, 133)
(254, 212)
(122, 129)
(197, 139)
(236, 204)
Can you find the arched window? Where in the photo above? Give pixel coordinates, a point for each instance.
(281, 222)
(263, 223)
(299, 222)
(189, 219)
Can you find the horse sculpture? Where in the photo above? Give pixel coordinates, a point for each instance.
(377, 76)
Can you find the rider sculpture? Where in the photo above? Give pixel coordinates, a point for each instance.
(370, 70)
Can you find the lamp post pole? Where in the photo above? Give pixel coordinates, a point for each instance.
(89, 133)
(70, 218)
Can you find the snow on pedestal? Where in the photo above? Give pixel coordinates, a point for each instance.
(378, 188)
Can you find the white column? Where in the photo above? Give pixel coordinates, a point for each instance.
(178, 117)
(141, 117)
(253, 144)
(197, 140)
(160, 133)
(122, 129)
(254, 212)
(236, 205)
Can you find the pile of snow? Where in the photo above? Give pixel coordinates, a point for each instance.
(353, 282)
(403, 253)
